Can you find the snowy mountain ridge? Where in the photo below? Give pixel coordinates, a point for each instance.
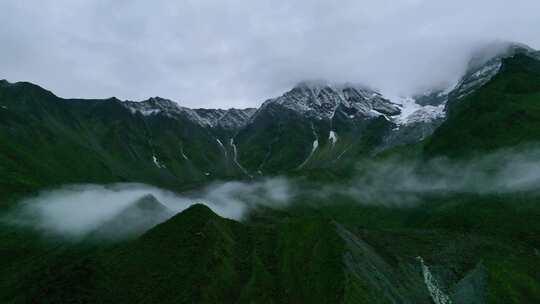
(321, 100)
(211, 118)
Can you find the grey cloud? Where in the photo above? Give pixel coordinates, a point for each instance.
(398, 182)
(237, 53)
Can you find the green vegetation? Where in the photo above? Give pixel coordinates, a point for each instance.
(46, 141)
(195, 257)
(300, 254)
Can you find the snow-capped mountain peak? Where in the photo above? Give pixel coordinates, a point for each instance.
(321, 101)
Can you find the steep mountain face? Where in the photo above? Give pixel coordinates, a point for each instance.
(360, 119)
(317, 125)
(47, 140)
(502, 113)
(314, 124)
(482, 68)
(289, 131)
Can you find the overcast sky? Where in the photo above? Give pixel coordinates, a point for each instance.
(232, 53)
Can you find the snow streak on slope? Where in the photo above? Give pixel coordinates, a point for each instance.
(235, 157)
(157, 163)
(438, 296)
(332, 137)
(183, 154)
(313, 149)
(222, 147)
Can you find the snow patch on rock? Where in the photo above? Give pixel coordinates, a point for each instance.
(412, 112)
(157, 163)
(183, 154)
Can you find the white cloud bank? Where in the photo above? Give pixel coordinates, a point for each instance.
(77, 210)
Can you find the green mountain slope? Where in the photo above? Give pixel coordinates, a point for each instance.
(283, 137)
(47, 141)
(341, 253)
(196, 257)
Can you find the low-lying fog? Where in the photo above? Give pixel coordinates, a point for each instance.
(76, 211)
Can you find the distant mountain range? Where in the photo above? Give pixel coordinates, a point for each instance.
(47, 140)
